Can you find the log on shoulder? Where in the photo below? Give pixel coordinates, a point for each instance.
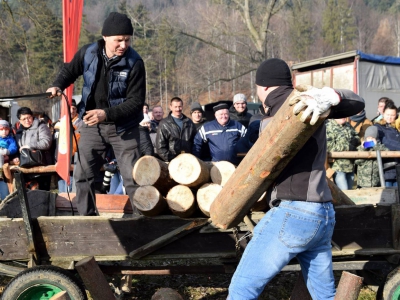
(149, 170)
(181, 201)
(278, 143)
(187, 169)
(149, 201)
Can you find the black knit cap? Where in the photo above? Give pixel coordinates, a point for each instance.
(117, 24)
(273, 72)
(220, 106)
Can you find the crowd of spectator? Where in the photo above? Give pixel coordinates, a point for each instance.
(234, 130)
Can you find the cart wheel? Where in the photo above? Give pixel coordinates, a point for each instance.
(391, 289)
(43, 282)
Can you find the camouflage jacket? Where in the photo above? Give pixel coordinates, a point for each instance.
(341, 138)
(367, 169)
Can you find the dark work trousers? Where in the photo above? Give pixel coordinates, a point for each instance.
(93, 146)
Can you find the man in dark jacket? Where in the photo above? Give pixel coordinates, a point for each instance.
(220, 136)
(238, 111)
(175, 133)
(301, 221)
(113, 95)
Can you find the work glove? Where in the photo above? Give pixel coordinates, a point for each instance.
(4, 151)
(317, 101)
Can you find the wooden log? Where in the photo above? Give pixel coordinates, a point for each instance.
(278, 143)
(181, 201)
(300, 291)
(187, 169)
(149, 201)
(149, 170)
(221, 172)
(94, 279)
(338, 197)
(349, 287)
(206, 195)
(166, 294)
(363, 154)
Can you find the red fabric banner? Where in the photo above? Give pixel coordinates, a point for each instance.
(72, 18)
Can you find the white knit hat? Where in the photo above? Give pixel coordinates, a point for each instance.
(239, 98)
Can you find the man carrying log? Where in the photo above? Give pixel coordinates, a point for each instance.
(302, 218)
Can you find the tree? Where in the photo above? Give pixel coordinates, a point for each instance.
(338, 25)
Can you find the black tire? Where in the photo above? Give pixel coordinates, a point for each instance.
(36, 278)
(391, 289)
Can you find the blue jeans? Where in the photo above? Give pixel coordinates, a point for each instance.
(293, 229)
(3, 190)
(390, 183)
(62, 185)
(344, 181)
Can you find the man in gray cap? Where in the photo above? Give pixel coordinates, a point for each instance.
(111, 108)
(196, 111)
(301, 220)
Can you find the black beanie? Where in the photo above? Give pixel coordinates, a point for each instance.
(117, 24)
(273, 72)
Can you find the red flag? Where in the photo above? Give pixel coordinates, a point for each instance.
(72, 18)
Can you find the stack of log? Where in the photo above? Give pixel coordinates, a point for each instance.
(183, 185)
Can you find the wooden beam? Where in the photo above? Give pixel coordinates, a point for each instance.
(363, 154)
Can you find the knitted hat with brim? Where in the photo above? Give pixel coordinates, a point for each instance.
(220, 106)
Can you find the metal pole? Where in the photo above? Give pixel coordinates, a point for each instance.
(380, 167)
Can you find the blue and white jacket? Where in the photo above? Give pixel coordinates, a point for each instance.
(220, 139)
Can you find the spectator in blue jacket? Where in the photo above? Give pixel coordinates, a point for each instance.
(220, 135)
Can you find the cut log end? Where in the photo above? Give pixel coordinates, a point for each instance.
(181, 201)
(149, 201)
(221, 172)
(206, 195)
(146, 170)
(187, 169)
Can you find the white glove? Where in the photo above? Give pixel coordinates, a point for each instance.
(317, 102)
(4, 151)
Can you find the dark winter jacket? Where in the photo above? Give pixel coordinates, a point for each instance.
(171, 140)
(304, 178)
(129, 112)
(243, 117)
(390, 137)
(221, 140)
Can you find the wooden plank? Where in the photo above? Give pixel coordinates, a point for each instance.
(363, 154)
(167, 238)
(104, 202)
(375, 195)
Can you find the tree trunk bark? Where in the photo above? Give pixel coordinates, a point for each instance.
(149, 170)
(221, 172)
(277, 145)
(181, 201)
(206, 195)
(187, 169)
(149, 201)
